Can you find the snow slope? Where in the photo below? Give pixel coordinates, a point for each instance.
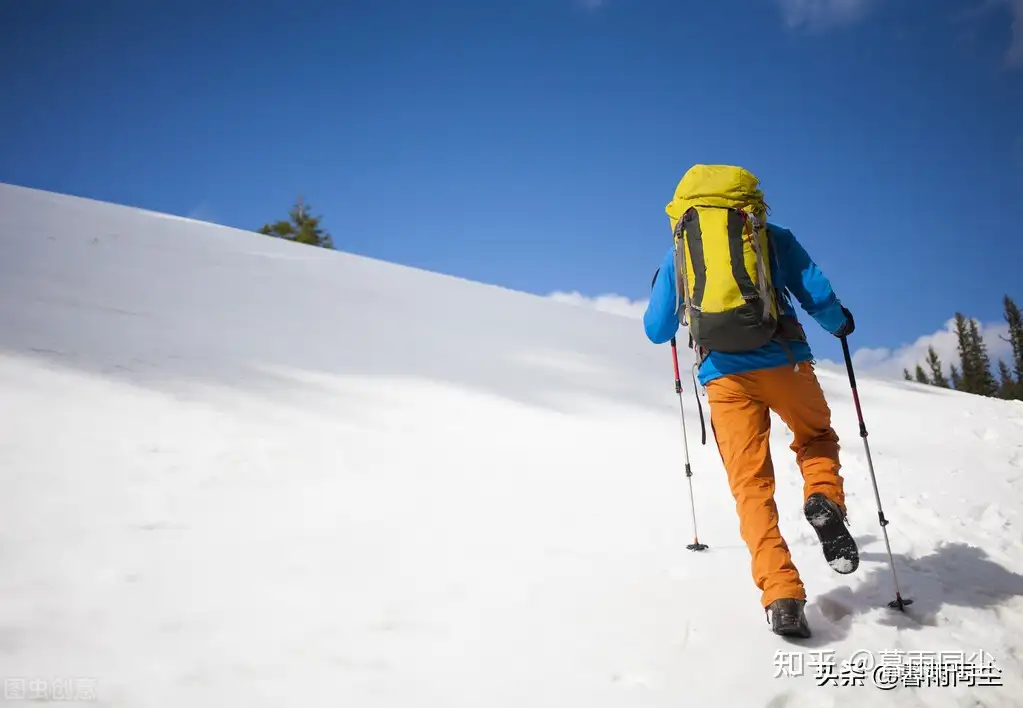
(236, 471)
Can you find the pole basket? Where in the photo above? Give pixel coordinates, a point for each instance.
(900, 603)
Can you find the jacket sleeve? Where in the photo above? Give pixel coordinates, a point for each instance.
(807, 283)
(660, 321)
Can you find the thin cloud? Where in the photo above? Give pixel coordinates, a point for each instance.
(591, 5)
(610, 303)
(879, 362)
(889, 363)
(201, 212)
(970, 16)
(1014, 55)
(819, 15)
(824, 14)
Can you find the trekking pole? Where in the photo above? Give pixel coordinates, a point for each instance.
(695, 545)
(898, 602)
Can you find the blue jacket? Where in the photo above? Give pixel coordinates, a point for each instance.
(792, 271)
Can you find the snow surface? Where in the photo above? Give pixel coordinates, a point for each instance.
(236, 471)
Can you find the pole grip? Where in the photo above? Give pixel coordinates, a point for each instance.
(852, 385)
(848, 363)
(674, 362)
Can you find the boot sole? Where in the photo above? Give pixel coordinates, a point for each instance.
(839, 547)
(800, 631)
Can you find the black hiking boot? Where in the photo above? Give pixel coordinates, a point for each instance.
(837, 543)
(787, 618)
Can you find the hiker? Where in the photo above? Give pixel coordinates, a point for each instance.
(753, 357)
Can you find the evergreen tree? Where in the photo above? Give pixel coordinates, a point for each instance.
(934, 363)
(1007, 387)
(921, 377)
(968, 378)
(956, 379)
(905, 375)
(302, 228)
(1015, 322)
(986, 384)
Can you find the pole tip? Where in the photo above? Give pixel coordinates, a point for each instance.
(697, 546)
(900, 603)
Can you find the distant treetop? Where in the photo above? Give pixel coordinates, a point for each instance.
(301, 228)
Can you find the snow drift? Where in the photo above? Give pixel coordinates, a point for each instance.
(236, 471)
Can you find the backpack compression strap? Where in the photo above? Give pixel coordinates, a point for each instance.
(681, 277)
(750, 219)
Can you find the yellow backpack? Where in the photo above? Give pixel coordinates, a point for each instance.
(719, 220)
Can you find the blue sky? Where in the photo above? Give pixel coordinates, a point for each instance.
(534, 144)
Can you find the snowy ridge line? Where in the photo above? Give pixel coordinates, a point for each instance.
(290, 481)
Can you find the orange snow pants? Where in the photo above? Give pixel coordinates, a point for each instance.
(740, 406)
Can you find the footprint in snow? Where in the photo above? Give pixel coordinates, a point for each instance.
(780, 701)
(791, 699)
(989, 517)
(833, 610)
(631, 680)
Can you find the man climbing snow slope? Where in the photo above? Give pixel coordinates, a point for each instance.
(727, 277)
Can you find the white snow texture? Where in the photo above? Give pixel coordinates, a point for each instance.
(238, 471)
